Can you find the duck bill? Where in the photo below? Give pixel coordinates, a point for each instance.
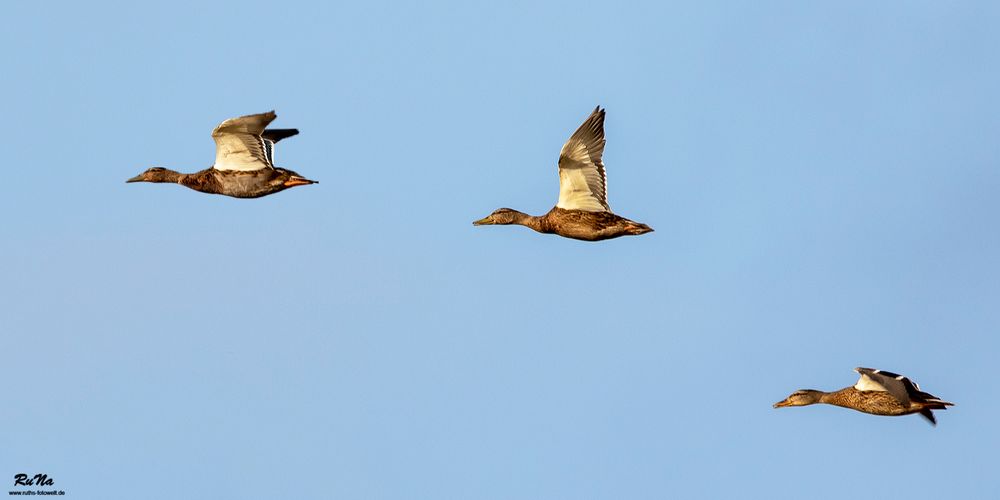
(781, 404)
(485, 221)
(137, 178)
(298, 181)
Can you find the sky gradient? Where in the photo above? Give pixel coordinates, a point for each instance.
(822, 180)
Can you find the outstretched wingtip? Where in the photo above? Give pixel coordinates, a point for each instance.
(929, 416)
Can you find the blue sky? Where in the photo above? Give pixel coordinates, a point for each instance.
(822, 180)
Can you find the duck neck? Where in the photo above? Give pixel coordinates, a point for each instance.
(836, 398)
(170, 176)
(531, 221)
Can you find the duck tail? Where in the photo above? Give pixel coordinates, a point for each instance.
(933, 403)
(940, 405)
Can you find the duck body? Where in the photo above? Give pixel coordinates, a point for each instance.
(242, 184)
(590, 226)
(876, 402)
(244, 162)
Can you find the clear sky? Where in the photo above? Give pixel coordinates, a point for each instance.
(823, 181)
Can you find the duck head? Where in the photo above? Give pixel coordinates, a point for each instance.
(157, 174)
(802, 397)
(500, 216)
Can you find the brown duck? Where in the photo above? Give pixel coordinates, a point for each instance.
(877, 392)
(244, 161)
(582, 211)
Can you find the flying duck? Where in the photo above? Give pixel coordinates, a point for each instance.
(244, 161)
(582, 212)
(877, 392)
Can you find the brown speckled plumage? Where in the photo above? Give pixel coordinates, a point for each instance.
(874, 402)
(890, 395)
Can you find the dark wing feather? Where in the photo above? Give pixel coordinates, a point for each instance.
(929, 415)
(277, 134)
(273, 135)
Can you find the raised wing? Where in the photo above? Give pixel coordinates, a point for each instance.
(877, 380)
(239, 145)
(582, 181)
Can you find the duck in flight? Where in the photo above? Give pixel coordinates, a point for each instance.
(877, 392)
(244, 161)
(582, 212)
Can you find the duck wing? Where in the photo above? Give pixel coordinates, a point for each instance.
(898, 386)
(239, 145)
(582, 180)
